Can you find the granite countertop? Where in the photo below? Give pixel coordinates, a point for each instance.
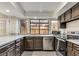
(75, 41)
(39, 35)
(6, 39)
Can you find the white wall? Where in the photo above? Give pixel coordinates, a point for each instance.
(73, 26)
(12, 26)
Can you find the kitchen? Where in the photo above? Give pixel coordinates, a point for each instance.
(39, 29)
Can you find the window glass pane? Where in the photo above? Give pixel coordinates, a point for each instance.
(2, 27)
(24, 26)
(54, 26)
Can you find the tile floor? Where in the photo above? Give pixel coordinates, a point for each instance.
(39, 53)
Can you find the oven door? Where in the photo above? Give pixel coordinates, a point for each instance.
(61, 47)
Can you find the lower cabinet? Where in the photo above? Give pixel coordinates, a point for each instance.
(76, 53)
(11, 51)
(21, 46)
(14, 48)
(17, 47)
(72, 49)
(8, 49)
(33, 43)
(38, 43)
(28, 43)
(3, 51)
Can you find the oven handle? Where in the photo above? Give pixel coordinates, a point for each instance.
(61, 40)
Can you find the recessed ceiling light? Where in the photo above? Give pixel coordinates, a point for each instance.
(7, 10)
(35, 17)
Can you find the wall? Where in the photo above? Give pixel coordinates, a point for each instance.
(73, 26)
(12, 26)
(9, 25)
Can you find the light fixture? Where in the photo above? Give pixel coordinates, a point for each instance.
(7, 10)
(35, 17)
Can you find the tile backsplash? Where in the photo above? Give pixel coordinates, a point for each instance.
(72, 37)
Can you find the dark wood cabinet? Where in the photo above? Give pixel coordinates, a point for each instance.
(21, 45)
(8, 49)
(75, 10)
(11, 51)
(76, 53)
(38, 43)
(14, 48)
(62, 18)
(72, 49)
(33, 43)
(62, 21)
(17, 47)
(28, 43)
(68, 15)
(3, 51)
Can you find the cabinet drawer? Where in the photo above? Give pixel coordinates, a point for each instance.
(11, 51)
(3, 49)
(3, 53)
(76, 53)
(76, 47)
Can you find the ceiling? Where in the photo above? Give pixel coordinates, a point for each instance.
(34, 9)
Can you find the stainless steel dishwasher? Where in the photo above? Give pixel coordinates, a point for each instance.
(48, 43)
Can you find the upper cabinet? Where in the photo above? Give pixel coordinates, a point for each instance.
(62, 18)
(68, 15)
(75, 10)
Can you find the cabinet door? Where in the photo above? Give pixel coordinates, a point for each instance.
(38, 43)
(21, 46)
(68, 15)
(76, 53)
(75, 10)
(70, 51)
(18, 51)
(18, 46)
(62, 18)
(11, 51)
(3, 53)
(29, 43)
